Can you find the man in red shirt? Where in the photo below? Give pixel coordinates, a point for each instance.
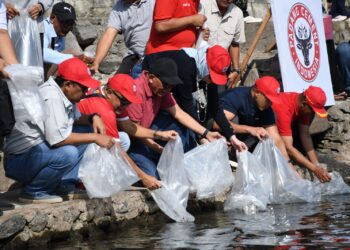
(112, 99)
(301, 108)
(159, 111)
(174, 25)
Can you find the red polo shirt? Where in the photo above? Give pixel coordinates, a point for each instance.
(102, 107)
(167, 9)
(145, 112)
(288, 112)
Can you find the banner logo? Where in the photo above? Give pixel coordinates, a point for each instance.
(303, 42)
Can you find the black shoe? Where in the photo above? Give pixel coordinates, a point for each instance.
(1, 213)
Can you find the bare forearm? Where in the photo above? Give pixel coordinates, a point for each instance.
(309, 148)
(174, 24)
(77, 139)
(7, 51)
(240, 129)
(136, 130)
(104, 45)
(138, 171)
(153, 145)
(234, 54)
(186, 120)
(296, 155)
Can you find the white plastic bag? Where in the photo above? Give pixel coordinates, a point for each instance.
(334, 187)
(173, 195)
(105, 172)
(25, 37)
(27, 102)
(285, 185)
(208, 169)
(249, 192)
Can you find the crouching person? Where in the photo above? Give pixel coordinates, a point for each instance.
(45, 157)
(252, 107)
(110, 102)
(160, 112)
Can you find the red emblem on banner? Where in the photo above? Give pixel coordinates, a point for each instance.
(303, 42)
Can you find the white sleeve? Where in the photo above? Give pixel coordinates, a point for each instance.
(3, 20)
(55, 57)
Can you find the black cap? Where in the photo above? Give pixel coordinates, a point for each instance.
(166, 70)
(64, 12)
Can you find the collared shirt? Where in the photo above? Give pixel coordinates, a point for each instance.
(185, 38)
(96, 103)
(134, 21)
(223, 29)
(239, 102)
(53, 55)
(62, 113)
(3, 18)
(288, 113)
(26, 4)
(200, 56)
(145, 112)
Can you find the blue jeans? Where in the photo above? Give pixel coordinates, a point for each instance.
(146, 158)
(44, 169)
(343, 58)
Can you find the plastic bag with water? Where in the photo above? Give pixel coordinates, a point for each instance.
(105, 172)
(249, 192)
(27, 102)
(172, 197)
(335, 187)
(208, 169)
(285, 185)
(25, 37)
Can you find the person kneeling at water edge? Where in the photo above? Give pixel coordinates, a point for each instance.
(109, 102)
(159, 111)
(252, 107)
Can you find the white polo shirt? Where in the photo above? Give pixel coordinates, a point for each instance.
(3, 20)
(224, 30)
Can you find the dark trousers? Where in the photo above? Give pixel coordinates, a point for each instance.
(187, 71)
(338, 8)
(146, 158)
(127, 64)
(7, 118)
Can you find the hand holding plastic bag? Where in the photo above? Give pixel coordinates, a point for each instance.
(208, 169)
(334, 187)
(173, 195)
(105, 172)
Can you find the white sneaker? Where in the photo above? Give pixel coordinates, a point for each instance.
(250, 19)
(340, 18)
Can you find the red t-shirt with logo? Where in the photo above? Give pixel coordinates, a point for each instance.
(288, 112)
(167, 9)
(98, 104)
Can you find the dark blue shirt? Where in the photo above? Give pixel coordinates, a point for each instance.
(239, 101)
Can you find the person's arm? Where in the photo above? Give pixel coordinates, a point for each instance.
(296, 155)
(55, 57)
(149, 181)
(234, 52)
(7, 52)
(176, 24)
(137, 131)
(272, 130)
(103, 141)
(103, 46)
(307, 143)
(186, 120)
(95, 120)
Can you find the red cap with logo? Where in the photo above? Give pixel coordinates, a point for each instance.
(316, 99)
(76, 70)
(124, 84)
(270, 87)
(218, 60)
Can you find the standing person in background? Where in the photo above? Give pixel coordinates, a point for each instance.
(175, 25)
(132, 18)
(226, 26)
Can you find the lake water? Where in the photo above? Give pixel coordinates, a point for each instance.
(324, 225)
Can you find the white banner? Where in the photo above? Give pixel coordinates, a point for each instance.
(301, 43)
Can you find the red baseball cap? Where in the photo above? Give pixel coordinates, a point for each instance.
(270, 87)
(218, 60)
(76, 70)
(124, 84)
(316, 99)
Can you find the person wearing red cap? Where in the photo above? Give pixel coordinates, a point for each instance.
(110, 101)
(174, 25)
(159, 111)
(300, 109)
(208, 65)
(252, 107)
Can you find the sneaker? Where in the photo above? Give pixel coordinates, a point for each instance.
(250, 19)
(73, 194)
(48, 199)
(340, 18)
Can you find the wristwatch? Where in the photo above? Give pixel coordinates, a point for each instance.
(236, 70)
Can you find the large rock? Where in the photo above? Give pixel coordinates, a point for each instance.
(11, 226)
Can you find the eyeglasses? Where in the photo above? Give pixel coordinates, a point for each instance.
(123, 101)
